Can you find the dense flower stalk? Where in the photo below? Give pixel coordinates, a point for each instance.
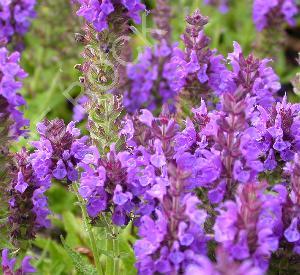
(173, 233)
(8, 265)
(221, 4)
(151, 78)
(271, 14)
(277, 134)
(217, 148)
(250, 227)
(105, 187)
(11, 100)
(28, 203)
(200, 73)
(15, 19)
(99, 13)
(255, 77)
(117, 182)
(102, 76)
(59, 151)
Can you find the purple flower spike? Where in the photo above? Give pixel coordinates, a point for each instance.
(99, 12)
(173, 233)
(10, 76)
(199, 68)
(278, 135)
(247, 228)
(268, 14)
(28, 205)
(15, 18)
(59, 150)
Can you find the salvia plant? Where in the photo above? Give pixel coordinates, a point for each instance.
(180, 159)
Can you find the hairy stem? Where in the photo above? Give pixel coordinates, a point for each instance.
(90, 232)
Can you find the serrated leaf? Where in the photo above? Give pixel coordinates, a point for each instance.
(80, 263)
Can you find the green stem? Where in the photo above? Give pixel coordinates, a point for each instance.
(89, 229)
(116, 253)
(109, 259)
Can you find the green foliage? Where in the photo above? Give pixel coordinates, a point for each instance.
(80, 263)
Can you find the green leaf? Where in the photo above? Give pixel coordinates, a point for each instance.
(80, 263)
(127, 257)
(73, 228)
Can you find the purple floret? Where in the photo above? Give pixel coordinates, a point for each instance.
(15, 17)
(10, 76)
(97, 12)
(8, 265)
(59, 150)
(249, 228)
(268, 14)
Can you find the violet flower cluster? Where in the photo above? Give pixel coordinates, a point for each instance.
(172, 234)
(151, 79)
(59, 151)
(190, 190)
(11, 75)
(171, 226)
(255, 77)
(277, 133)
(8, 265)
(15, 18)
(199, 69)
(250, 227)
(104, 184)
(117, 183)
(28, 204)
(271, 14)
(98, 12)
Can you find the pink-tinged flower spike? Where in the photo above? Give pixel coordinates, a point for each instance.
(11, 75)
(291, 211)
(273, 13)
(28, 209)
(174, 232)
(221, 4)
(8, 265)
(220, 149)
(254, 77)
(224, 265)
(277, 134)
(99, 13)
(200, 72)
(59, 150)
(250, 227)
